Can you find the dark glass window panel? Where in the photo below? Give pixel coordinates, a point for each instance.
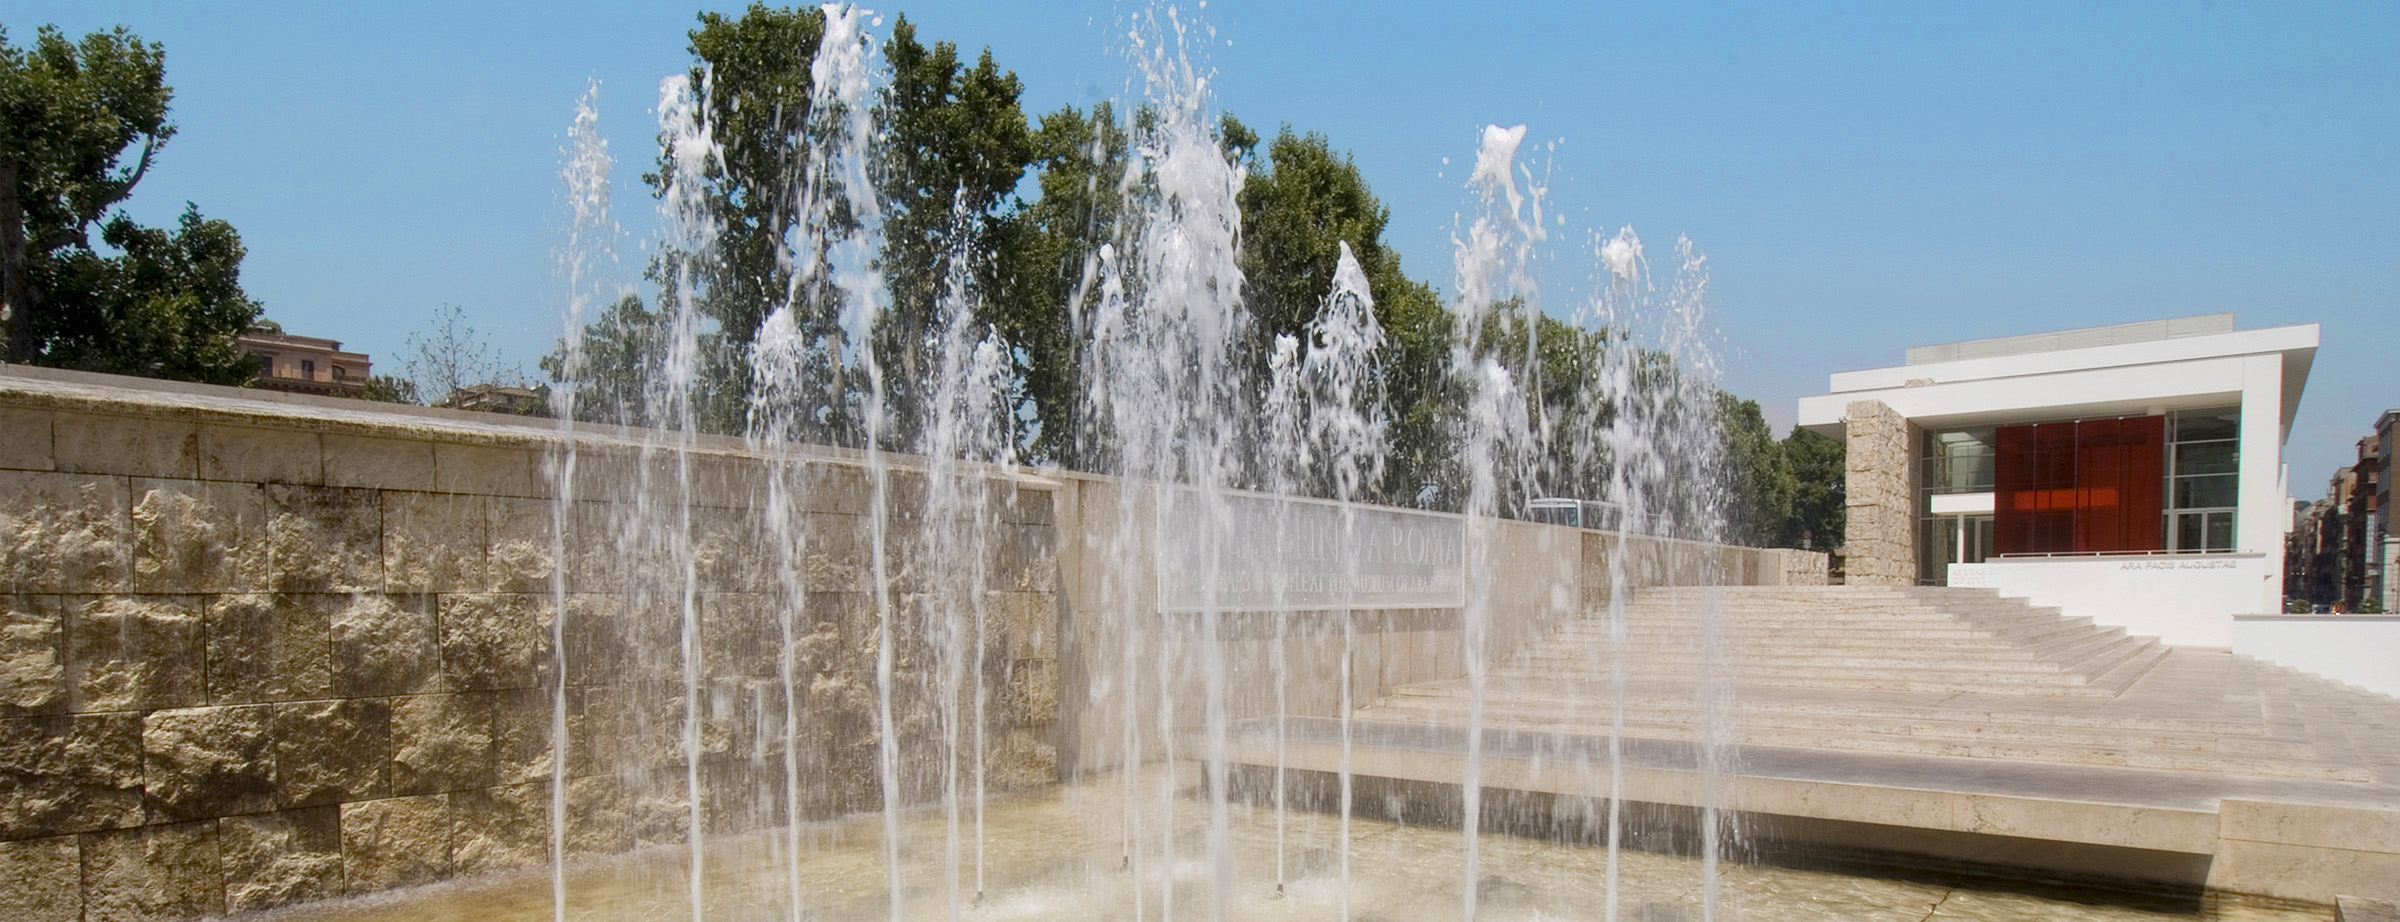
(2206, 492)
(2208, 458)
(2220, 531)
(2187, 532)
(2202, 425)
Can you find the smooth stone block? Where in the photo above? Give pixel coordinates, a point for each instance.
(208, 762)
(277, 859)
(488, 470)
(134, 652)
(128, 445)
(28, 445)
(396, 842)
(256, 455)
(152, 872)
(379, 463)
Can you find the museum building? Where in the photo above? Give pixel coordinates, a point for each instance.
(2132, 473)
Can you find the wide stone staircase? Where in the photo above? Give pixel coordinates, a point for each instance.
(1911, 672)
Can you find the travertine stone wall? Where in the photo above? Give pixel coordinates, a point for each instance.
(254, 653)
(1882, 491)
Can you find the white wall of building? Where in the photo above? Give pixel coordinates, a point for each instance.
(2186, 599)
(2363, 650)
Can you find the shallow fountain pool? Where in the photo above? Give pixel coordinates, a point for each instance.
(1057, 855)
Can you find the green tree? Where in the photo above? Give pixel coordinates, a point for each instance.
(169, 303)
(953, 145)
(615, 366)
(1757, 478)
(1044, 250)
(751, 81)
(1820, 483)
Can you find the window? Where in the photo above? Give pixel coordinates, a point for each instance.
(2086, 486)
(2203, 478)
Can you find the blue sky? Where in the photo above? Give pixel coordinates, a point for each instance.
(1863, 178)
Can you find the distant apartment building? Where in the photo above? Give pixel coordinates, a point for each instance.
(2386, 545)
(306, 364)
(2131, 473)
(2343, 551)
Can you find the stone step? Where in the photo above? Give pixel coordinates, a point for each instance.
(1845, 706)
(1568, 656)
(1926, 684)
(1578, 713)
(2140, 753)
(1918, 669)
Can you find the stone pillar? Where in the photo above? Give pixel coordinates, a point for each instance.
(1882, 496)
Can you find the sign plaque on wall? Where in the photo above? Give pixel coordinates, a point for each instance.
(1252, 552)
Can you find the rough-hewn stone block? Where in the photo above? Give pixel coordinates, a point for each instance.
(62, 774)
(254, 455)
(271, 647)
(523, 544)
(739, 635)
(435, 542)
(441, 743)
(133, 652)
(128, 445)
(1023, 558)
(41, 880)
(207, 762)
(1030, 694)
(387, 464)
(63, 532)
(152, 872)
(33, 655)
(395, 842)
(1023, 625)
(386, 645)
(521, 721)
(198, 536)
(597, 820)
(836, 554)
(276, 859)
(324, 539)
(28, 446)
(1021, 759)
(596, 648)
(498, 828)
(494, 640)
(330, 752)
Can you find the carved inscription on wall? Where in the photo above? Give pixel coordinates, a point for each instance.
(1247, 552)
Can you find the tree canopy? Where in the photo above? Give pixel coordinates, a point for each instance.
(144, 301)
(994, 218)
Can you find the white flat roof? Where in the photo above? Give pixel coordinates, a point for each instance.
(2179, 370)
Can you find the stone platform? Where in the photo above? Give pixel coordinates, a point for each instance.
(1949, 725)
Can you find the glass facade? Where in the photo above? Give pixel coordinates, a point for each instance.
(2128, 484)
(2204, 479)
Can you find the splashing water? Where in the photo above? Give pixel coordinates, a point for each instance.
(1178, 377)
